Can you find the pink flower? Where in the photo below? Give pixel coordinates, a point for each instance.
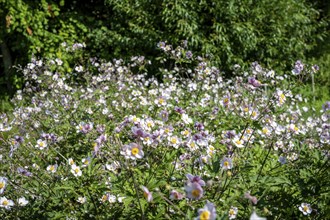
(252, 199)
(147, 195)
(175, 195)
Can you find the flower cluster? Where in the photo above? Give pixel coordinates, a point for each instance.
(103, 134)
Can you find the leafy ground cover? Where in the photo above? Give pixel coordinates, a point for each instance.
(107, 142)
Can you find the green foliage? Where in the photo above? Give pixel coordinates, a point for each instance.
(232, 32)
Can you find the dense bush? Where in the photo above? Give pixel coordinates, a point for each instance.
(232, 32)
(118, 145)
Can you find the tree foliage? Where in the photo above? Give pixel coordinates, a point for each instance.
(231, 32)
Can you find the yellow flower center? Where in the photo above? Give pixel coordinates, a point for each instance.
(52, 168)
(282, 98)
(205, 215)
(226, 100)
(238, 142)
(5, 203)
(265, 130)
(135, 151)
(2, 185)
(254, 114)
(195, 193)
(246, 109)
(231, 212)
(104, 198)
(145, 194)
(173, 140)
(76, 170)
(41, 144)
(186, 133)
(305, 208)
(226, 163)
(161, 101)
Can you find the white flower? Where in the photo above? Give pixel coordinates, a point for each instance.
(114, 166)
(4, 202)
(22, 201)
(52, 168)
(112, 198)
(75, 170)
(232, 212)
(305, 208)
(79, 69)
(132, 151)
(3, 183)
(81, 200)
(85, 162)
(120, 198)
(185, 118)
(71, 161)
(238, 142)
(41, 144)
(254, 216)
(174, 141)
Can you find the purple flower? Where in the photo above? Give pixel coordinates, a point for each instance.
(19, 139)
(199, 126)
(282, 160)
(326, 106)
(227, 163)
(194, 190)
(100, 128)
(179, 110)
(138, 132)
(164, 115)
(230, 134)
(189, 54)
(195, 179)
(254, 82)
(298, 67)
(315, 68)
(23, 171)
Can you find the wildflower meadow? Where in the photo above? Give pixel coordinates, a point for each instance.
(109, 140)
